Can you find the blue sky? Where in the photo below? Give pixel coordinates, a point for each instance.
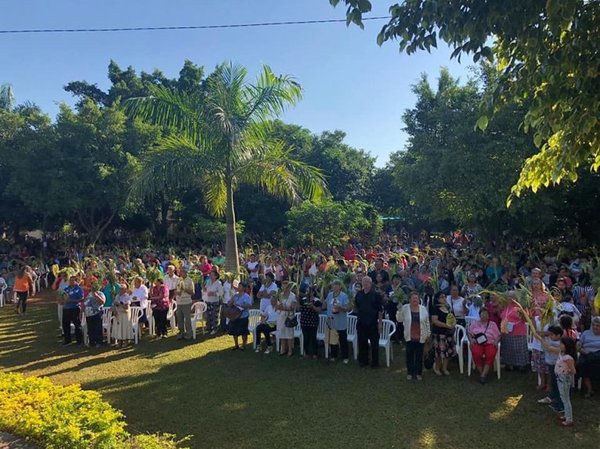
(349, 82)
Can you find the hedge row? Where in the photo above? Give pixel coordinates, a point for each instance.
(59, 417)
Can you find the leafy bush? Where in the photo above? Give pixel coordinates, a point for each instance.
(61, 417)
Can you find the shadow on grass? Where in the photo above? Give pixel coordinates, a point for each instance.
(240, 399)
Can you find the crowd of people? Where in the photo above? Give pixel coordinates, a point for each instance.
(541, 311)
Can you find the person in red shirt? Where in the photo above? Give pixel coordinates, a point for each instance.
(350, 253)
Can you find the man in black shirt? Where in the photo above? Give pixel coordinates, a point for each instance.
(378, 268)
(369, 309)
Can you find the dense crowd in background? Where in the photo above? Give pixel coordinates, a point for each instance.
(537, 308)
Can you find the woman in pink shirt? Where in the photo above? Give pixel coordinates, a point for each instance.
(483, 337)
(514, 351)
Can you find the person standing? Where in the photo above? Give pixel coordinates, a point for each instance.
(310, 308)
(23, 285)
(415, 321)
(172, 281)
(212, 296)
(337, 305)
(183, 314)
(239, 327)
(73, 295)
(369, 310)
(93, 306)
(159, 297)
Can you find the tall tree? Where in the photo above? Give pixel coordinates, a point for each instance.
(220, 139)
(7, 97)
(546, 53)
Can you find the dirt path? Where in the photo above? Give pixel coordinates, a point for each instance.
(8, 441)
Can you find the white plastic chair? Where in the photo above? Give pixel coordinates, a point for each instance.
(45, 278)
(469, 320)
(134, 318)
(298, 334)
(60, 314)
(198, 310)
(171, 314)
(2, 295)
(84, 329)
(471, 364)
(322, 333)
(107, 323)
(351, 334)
(37, 284)
(459, 334)
(385, 341)
(253, 321)
(529, 339)
(150, 318)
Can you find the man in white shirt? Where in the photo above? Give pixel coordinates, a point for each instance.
(171, 281)
(265, 293)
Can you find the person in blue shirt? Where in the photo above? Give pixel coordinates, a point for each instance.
(72, 297)
(108, 291)
(337, 305)
(242, 301)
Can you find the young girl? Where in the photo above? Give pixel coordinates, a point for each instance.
(565, 370)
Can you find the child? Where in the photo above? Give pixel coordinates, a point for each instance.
(551, 346)
(538, 364)
(565, 371)
(566, 323)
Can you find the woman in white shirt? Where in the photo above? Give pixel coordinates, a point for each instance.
(415, 319)
(213, 293)
(457, 305)
(122, 330)
(287, 308)
(139, 297)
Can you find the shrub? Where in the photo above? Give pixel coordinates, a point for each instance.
(59, 417)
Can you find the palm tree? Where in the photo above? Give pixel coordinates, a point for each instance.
(218, 136)
(7, 97)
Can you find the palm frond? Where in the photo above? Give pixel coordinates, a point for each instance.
(169, 108)
(275, 171)
(270, 95)
(215, 192)
(175, 164)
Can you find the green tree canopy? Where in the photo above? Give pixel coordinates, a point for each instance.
(220, 139)
(546, 55)
(332, 223)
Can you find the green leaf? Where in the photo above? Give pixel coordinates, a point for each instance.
(482, 122)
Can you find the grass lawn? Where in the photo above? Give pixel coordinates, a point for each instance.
(228, 399)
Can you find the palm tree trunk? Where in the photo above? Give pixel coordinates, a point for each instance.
(232, 259)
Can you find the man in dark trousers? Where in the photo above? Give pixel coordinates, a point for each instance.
(369, 309)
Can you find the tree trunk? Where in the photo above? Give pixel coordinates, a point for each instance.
(232, 259)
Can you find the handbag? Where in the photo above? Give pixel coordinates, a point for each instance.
(481, 338)
(232, 313)
(291, 321)
(429, 359)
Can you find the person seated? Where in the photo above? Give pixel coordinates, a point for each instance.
(483, 337)
(267, 325)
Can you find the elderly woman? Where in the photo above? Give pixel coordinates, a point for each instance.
(514, 352)
(122, 331)
(239, 327)
(337, 306)
(442, 332)
(483, 337)
(212, 296)
(415, 320)
(287, 309)
(159, 297)
(588, 365)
